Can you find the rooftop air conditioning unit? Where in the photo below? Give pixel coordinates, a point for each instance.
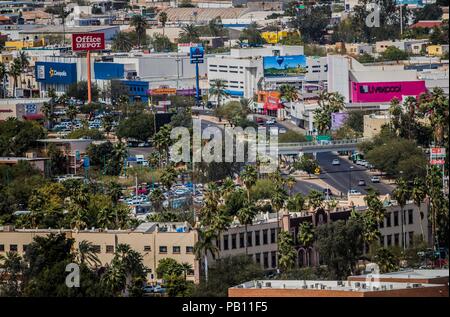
(357, 284)
(416, 285)
(268, 284)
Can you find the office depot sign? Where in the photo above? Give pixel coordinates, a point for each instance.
(385, 91)
(88, 41)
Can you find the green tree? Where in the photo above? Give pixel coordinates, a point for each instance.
(204, 245)
(12, 268)
(122, 42)
(393, 53)
(249, 177)
(79, 91)
(87, 254)
(296, 203)
(402, 194)
(140, 24)
(217, 88)
(251, 35)
(286, 251)
(312, 22)
(307, 164)
(315, 200)
(138, 127)
(288, 93)
(245, 216)
(306, 234)
(162, 18)
(189, 33)
(429, 12)
(418, 195)
(386, 260)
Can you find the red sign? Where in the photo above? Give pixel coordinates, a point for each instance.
(437, 162)
(438, 150)
(88, 41)
(385, 91)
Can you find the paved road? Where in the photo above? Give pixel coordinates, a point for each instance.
(340, 176)
(305, 187)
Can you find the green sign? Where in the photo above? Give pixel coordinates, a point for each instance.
(323, 138)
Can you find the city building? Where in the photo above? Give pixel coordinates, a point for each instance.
(309, 288)
(356, 49)
(437, 50)
(410, 46)
(421, 276)
(39, 163)
(154, 241)
(22, 108)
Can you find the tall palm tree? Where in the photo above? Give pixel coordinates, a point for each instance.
(218, 88)
(306, 234)
(3, 73)
(205, 245)
(71, 113)
(157, 198)
(288, 93)
(140, 24)
(119, 155)
(107, 123)
(162, 141)
(15, 70)
(315, 200)
(87, 254)
(402, 194)
(286, 251)
(290, 182)
(186, 267)
(295, 203)
(249, 177)
(163, 19)
(189, 33)
(418, 195)
(121, 42)
(245, 216)
(24, 61)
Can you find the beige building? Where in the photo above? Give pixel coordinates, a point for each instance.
(22, 108)
(356, 49)
(373, 124)
(155, 241)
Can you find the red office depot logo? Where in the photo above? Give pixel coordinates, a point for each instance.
(88, 41)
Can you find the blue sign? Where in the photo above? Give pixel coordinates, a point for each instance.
(30, 109)
(86, 162)
(197, 54)
(107, 71)
(77, 155)
(56, 73)
(284, 66)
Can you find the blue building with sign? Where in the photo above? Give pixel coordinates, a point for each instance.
(137, 89)
(58, 76)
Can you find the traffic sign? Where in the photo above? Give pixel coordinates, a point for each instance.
(317, 171)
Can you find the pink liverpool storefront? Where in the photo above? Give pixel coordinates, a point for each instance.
(385, 91)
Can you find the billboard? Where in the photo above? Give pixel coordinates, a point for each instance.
(196, 54)
(338, 120)
(385, 91)
(284, 66)
(108, 71)
(56, 73)
(88, 42)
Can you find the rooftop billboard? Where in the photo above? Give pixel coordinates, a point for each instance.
(386, 91)
(285, 66)
(56, 73)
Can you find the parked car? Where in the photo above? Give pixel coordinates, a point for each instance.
(336, 162)
(282, 130)
(361, 182)
(159, 289)
(375, 179)
(353, 192)
(148, 289)
(270, 121)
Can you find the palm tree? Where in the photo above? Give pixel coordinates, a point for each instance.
(395, 112)
(107, 123)
(15, 71)
(157, 198)
(306, 234)
(295, 203)
(290, 182)
(418, 194)
(205, 245)
(227, 187)
(402, 194)
(71, 113)
(121, 42)
(87, 254)
(3, 73)
(24, 61)
(286, 251)
(12, 268)
(168, 177)
(315, 200)
(189, 33)
(218, 88)
(119, 155)
(288, 93)
(249, 177)
(140, 24)
(185, 266)
(245, 216)
(162, 141)
(163, 19)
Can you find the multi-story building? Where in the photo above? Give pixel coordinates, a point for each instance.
(409, 46)
(154, 241)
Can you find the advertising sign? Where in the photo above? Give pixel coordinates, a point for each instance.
(56, 73)
(88, 42)
(385, 91)
(437, 156)
(163, 91)
(438, 151)
(338, 120)
(437, 162)
(196, 54)
(284, 66)
(186, 47)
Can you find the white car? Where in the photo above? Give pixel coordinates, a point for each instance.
(336, 162)
(353, 192)
(270, 121)
(282, 130)
(375, 179)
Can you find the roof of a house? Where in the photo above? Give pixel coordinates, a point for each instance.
(203, 14)
(426, 24)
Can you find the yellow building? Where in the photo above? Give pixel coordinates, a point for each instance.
(6, 58)
(275, 37)
(18, 45)
(437, 50)
(154, 241)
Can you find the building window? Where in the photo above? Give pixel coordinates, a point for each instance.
(24, 247)
(147, 248)
(233, 241)
(249, 238)
(110, 249)
(266, 260)
(411, 238)
(273, 236)
(225, 242)
(395, 218)
(2, 248)
(190, 249)
(257, 242)
(265, 240)
(389, 240)
(273, 256)
(410, 216)
(96, 248)
(13, 247)
(382, 238)
(258, 258)
(176, 249)
(162, 249)
(241, 240)
(388, 219)
(218, 244)
(382, 223)
(396, 239)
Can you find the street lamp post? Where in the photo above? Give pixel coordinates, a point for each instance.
(350, 178)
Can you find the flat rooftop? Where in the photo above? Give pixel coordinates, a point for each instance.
(349, 286)
(413, 274)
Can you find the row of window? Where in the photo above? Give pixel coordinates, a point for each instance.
(110, 249)
(264, 258)
(254, 238)
(394, 240)
(136, 88)
(409, 219)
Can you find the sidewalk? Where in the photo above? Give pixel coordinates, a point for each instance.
(211, 119)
